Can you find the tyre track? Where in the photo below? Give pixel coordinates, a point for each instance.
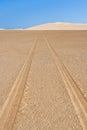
(42, 105)
(9, 110)
(77, 98)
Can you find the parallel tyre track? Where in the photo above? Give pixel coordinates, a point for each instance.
(77, 98)
(10, 107)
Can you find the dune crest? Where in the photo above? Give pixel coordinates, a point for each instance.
(60, 26)
(55, 26)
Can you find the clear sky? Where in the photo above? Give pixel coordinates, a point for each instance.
(27, 13)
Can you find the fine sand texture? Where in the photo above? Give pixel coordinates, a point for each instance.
(43, 78)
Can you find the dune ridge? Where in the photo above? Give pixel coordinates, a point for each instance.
(60, 26)
(55, 26)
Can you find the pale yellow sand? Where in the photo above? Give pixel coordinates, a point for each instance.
(72, 49)
(46, 103)
(13, 52)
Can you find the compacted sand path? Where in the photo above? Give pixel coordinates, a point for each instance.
(44, 95)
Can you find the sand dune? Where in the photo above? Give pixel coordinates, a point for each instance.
(47, 71)
(60, 26)
(55, 26)
(2, 29)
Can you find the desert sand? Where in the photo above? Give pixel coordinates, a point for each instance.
(43, 78)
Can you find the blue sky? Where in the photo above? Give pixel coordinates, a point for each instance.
(27, 13)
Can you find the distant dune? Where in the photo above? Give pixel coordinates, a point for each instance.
(55, 26)
(2, 29)
(59, 26)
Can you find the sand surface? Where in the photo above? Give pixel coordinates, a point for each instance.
(72, 50)
(50, 92)
(13, 52)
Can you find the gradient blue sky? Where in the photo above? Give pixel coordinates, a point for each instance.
(27, 13)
